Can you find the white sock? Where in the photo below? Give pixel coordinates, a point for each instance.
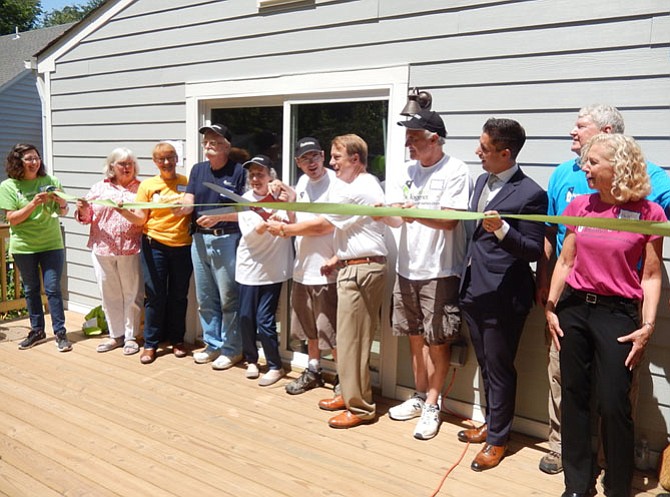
(313, 365)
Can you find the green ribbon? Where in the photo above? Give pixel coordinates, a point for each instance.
(630, 225)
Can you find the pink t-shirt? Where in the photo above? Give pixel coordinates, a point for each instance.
(111, 233)
(606, 261)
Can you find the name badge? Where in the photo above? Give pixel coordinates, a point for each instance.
(632, 215)
(181, 188)
(436, 184)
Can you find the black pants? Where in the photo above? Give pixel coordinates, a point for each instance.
(590, 351)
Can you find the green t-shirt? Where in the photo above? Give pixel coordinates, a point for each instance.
(41, 230)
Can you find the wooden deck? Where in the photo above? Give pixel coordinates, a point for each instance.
(83, 423)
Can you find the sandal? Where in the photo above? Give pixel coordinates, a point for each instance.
(109, 344)
(148, 356)
(130, 347)
(179, 350)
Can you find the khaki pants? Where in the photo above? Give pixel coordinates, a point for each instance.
(554, 401)
(360, 293)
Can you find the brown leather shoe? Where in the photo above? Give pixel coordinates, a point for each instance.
(347, 420)
(489, 457)
(474, 435)
(335, 404)
(179, 350)
(148, 356)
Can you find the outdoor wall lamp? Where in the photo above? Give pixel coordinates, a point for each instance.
(417, 101)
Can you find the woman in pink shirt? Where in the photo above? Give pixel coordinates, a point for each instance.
(115, 243)
(601, 312)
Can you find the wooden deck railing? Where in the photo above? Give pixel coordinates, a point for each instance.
(10, 287)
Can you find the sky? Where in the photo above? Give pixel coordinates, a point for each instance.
(49, 5)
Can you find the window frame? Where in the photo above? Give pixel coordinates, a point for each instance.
(389, 83)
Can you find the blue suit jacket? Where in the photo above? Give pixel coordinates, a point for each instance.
(499, 277)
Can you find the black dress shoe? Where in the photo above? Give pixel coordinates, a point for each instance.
(573, 494)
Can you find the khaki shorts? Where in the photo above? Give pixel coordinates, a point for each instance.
(314, 313)
(415, 304)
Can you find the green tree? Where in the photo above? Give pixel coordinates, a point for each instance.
(69, 13)
(19, 13)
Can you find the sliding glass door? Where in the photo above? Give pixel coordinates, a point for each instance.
(270, 116)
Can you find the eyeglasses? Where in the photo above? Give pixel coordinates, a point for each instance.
(168, 158)
(213, 143)
(309, 159)
(124, 164)
(31, 159)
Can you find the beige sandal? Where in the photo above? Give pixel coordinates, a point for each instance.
(130, 347)
(109, 344)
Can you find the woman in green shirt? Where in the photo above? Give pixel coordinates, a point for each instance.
(32, 209)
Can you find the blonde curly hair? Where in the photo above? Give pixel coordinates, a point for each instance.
(631, 180)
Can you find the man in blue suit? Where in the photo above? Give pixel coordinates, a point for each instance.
(497, 287)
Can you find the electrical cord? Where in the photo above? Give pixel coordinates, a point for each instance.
(445, 392)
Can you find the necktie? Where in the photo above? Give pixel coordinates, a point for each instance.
(486, 191)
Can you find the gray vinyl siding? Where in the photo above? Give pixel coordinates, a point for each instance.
(536, 61)
(20, 115)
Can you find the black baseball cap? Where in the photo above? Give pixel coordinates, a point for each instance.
(261, 160)
(428, 120)
(219, 129)
(307, 144)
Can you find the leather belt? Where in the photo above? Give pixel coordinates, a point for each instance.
(607, 300)
(217, 231)
(379, 259)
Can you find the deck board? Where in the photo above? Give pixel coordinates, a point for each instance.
(84, 423)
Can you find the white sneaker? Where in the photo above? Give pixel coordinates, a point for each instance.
(411, 408)
(205, 355)
(224, 362)
(252, 371)
(271, 377)
(429, 423)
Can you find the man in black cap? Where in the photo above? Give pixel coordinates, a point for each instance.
(429, 265)
(313, 295)
(215, 240)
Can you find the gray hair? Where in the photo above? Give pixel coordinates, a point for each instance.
(440, 139)
(119, 154)
(604, 115)
(271, 172)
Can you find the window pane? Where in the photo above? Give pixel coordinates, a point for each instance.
(256, 130)
(325, 121)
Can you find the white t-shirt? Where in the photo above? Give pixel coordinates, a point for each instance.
(358, 236)
(312, 251)
(261, 259)
(425, 253)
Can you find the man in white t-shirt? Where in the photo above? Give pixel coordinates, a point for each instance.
(313, 295)
(430, 261)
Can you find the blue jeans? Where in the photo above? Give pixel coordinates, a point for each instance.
(217, 292)
(167, 274)
(258, 306)
(51, 263)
